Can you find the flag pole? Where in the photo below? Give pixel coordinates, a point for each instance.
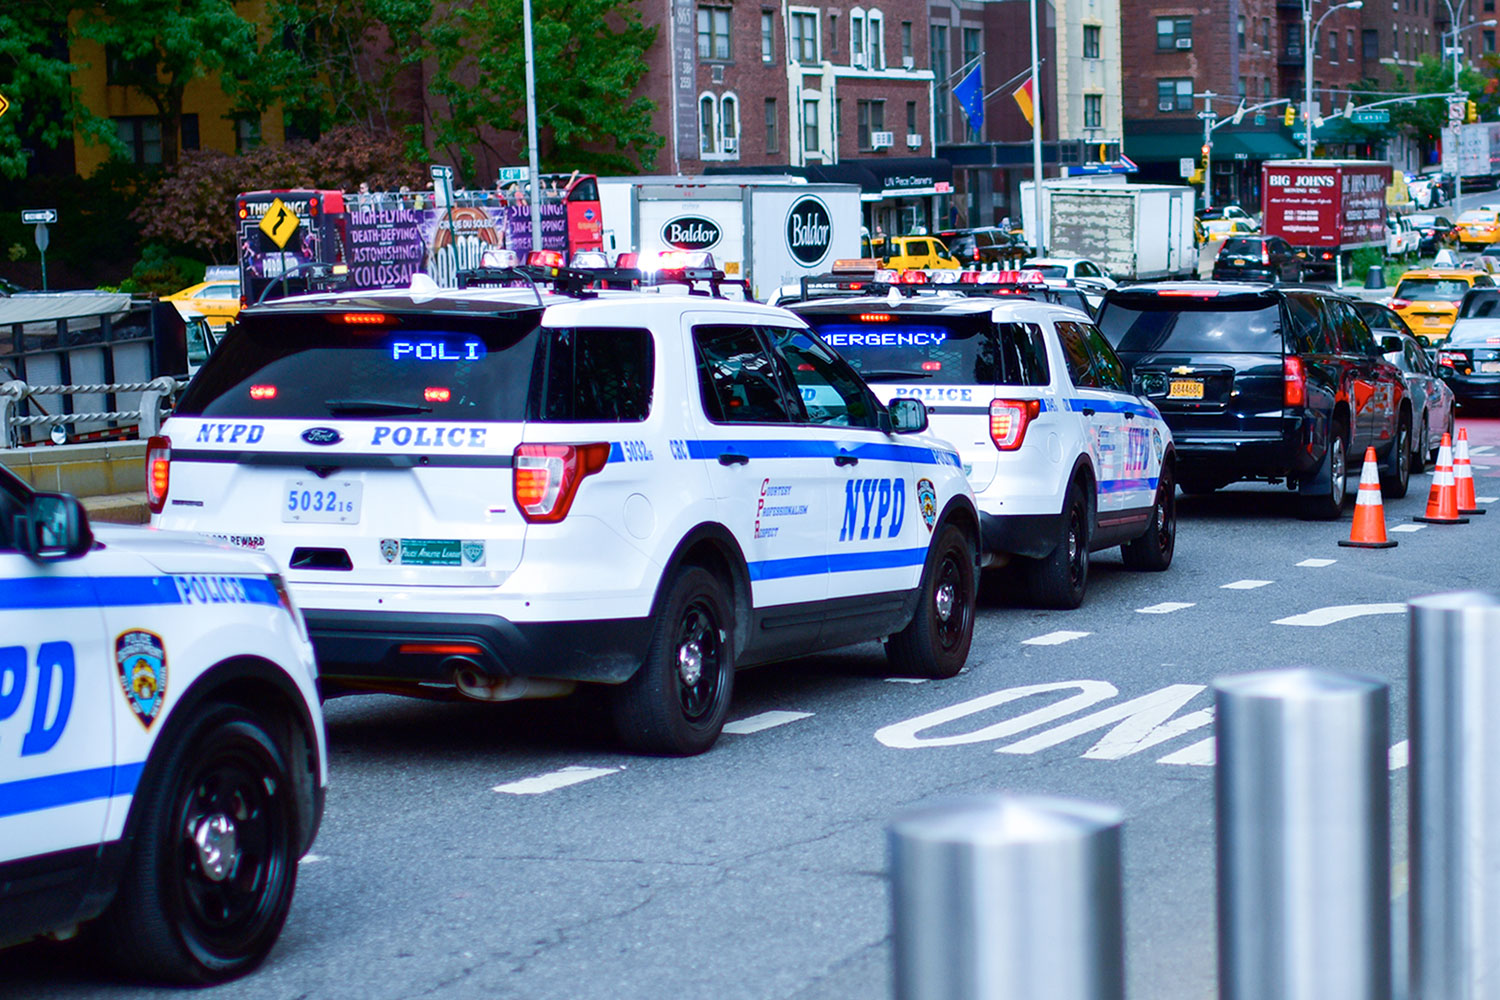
(1036, 134)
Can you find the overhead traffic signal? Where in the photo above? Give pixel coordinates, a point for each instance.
(1290, 118)
(1471, 112)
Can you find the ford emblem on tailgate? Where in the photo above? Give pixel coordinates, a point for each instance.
(322, 435)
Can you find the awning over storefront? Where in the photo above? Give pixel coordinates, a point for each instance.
(1157, 147)
(878, 177)
(1255, 145)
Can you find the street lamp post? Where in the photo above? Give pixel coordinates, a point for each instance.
(1036, 137)
(1454, 50)
(1309, 32)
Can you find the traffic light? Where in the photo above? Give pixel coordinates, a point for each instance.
(1290, 118)
(1203, 152)
(1471, 112)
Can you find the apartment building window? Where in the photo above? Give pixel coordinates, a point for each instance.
(1241, 31)
(973, 40)
(1349, 48)
(189, 132)
(1265, 88)
(1333, 46)
(1489, 40)
(838, 118)
(907, 57)
(1174, 33)
(1174, 95)
(122, 72)
(246, 133)
(772, 129)
(1265, 33)
(767, 36)
(1291, 40)
(857, 37)
(810, 127)
(729, 124)
(1244, 89)
(1091, 34)
(805, 36)
(1395, 43)
(1093, 110)
(940, 102)
(911, 118)
(1370, 40)
(142, 138)
(713, 33)
(875, 25)
(708, 124)
(871, 119)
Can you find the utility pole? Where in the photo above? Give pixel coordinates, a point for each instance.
(1208, 116)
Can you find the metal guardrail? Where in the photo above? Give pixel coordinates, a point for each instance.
(147, 417)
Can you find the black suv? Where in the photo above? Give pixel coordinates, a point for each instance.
(1257, 258)
(1263, 382)
(983, 245)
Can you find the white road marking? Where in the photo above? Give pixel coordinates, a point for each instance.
(537, 784)
(1246, 584)
(1398, 755)
(1488, 499)
(1200, 754)
(763, 721)
(1339, 613)
(906, 680)
(1054, 638)
(1132, 725)
(1408, 527)
(1317, 563)
(312, 859)
(1481, 449)
(1164, 608)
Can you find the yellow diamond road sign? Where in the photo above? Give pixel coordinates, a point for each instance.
(4, 105)
(279, 223)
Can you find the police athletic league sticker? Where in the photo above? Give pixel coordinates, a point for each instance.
(927, 500)
(142, 662)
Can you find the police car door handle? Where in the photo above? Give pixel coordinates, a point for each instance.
(730, 458)
(844, 458)
(1088, 411)
(1129, 415)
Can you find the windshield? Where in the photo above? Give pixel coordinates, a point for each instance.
(417, 367)
(1142, 324)
(969, 349)
(1431, 289)
(1482, 305)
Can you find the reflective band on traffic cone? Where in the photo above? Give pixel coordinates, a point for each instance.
(1463, 475)
(1368, 531)
(1442, 499)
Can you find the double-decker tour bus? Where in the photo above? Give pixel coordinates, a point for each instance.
(280, 231)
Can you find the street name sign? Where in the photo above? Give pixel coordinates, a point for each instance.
(514, 175)
(1375, 116)
(43, 216)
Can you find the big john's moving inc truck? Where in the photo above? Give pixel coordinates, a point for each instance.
(767, 231)
(1325, 208)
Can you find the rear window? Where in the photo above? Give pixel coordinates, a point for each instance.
(946, 350)
(1242, 246)
(415, 367)
(1208, 325)
(1481, 305)
(1049, 270)
(1429, 289)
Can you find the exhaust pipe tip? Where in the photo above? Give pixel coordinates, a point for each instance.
(474, 681)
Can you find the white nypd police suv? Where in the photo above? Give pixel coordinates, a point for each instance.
(162, 759)
(496, 493)
(1063, 458)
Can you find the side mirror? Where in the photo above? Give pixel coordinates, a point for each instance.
(908, 416)
(1390, 343)
(53, 526)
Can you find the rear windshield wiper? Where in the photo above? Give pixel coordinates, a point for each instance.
(892, 375)
(347, 406)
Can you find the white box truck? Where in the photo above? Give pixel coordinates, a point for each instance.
(768, 231)
(1472, 151)
(1137, 231)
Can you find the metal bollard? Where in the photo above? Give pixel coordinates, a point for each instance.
(1455, 797)
(1008, 897)
(1302, 809)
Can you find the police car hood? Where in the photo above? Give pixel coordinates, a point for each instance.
(182, 552)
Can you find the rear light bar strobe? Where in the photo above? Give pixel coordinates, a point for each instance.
(1293, 381)
(545, 477)
(158, 472)
(1009, 419)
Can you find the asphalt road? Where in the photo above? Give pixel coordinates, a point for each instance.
(456, 861)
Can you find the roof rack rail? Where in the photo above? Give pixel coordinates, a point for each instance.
(588, 282)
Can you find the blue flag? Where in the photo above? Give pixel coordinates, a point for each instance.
(970, 95)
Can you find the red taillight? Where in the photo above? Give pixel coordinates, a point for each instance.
(932, 366)
(1206, 293)
(875, 317)
(1293, 382)
(366, 319)
(1400, 303)
(262, 392)
(1008, 420)
(545, 477)
(436, 394)
(158, 472)
(1451, 358)
(439, 649)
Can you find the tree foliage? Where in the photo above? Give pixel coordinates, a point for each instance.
(35, 77)
(589, 57)
(1425, 120)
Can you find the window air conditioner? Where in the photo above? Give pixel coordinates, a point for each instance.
(913, 140)
(1165, 106)
(731, 145)
(908, 62)
(882, 140)
(1184, 43)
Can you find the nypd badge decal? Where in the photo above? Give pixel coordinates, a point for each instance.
(927, 501)
(141, 660)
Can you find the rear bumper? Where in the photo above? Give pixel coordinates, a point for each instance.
(1468, 388)
(364, 647)
(1245, 454)
(1267, 274)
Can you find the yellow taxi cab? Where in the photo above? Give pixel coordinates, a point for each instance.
(1478, 226)
(1428, 298)
(218, 301)
(900, 253)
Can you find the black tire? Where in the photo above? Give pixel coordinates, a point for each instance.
(1152, 551)
(935, 643)
(676, 702)
(1061, 579)
(1329, 505)
(1395, 477)
(1421, 446)
(214, 863)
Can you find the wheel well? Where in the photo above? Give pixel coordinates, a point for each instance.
(1341, 419)
(962, 516)
(712, 547)
(261, 686)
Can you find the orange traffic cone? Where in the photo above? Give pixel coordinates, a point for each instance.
(1368, 531)
(1442, 499)
(1463, 475)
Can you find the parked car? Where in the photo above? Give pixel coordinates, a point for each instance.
(1423, 190)
(1262, 382)
(982, 245)
(1432, 400)
(1478, 228)
(1469, 360)
(1428, 298)
(218, 301)
(1257, 258)
(1225, 220)
(1071, 269)
(1402, 239)
(1436, 231)
(900, 253)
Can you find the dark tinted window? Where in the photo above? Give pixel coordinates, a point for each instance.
(738, 378)
(949, 350)
(1307, 333)
(1432, 289)
(1241, 246)
(601, 375)
(1076, 350)
(831, 393)
(1355, 335)
(1193, 324)
(418, 367)
(1108, 371)
(1481, 304)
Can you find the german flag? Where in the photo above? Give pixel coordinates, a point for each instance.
(1025, 96)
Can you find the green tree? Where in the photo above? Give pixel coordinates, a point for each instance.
(158, 47)
(1424, 120)
(589, 57)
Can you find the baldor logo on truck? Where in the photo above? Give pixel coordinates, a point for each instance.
(691, 232)
(809, 230)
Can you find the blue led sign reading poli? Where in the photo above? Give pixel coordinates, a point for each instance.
(436, 349)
